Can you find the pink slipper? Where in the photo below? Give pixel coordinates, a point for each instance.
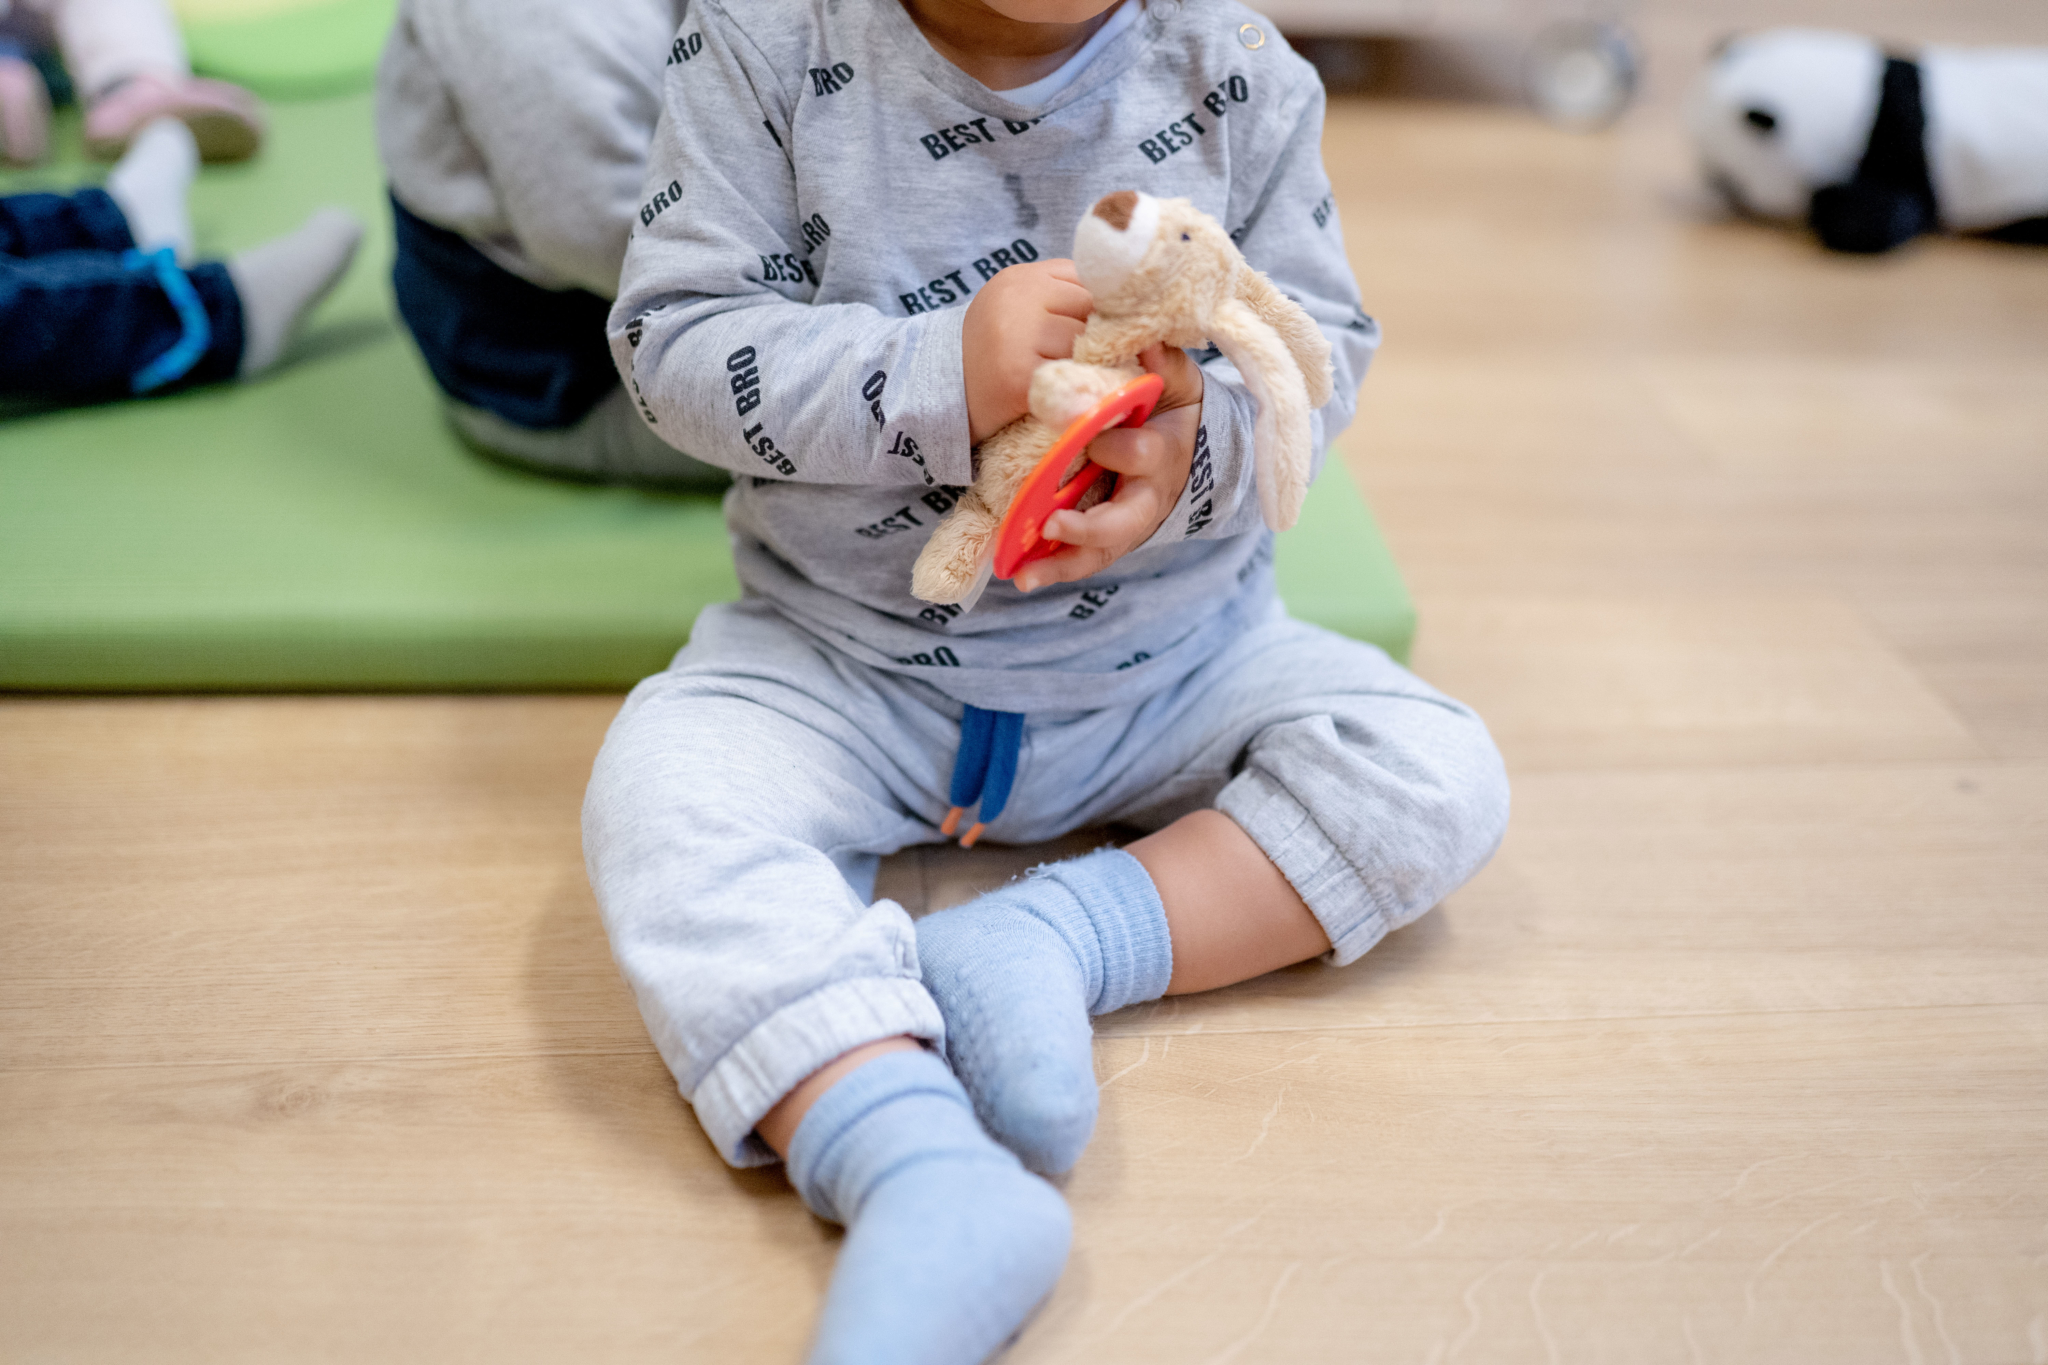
(24, 113)
(226, 121)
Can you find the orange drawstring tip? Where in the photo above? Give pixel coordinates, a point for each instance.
(967, 839)
(952, 821)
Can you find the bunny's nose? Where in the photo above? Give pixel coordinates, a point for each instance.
(1112, 239)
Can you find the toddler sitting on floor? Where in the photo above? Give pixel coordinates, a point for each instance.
(96, 300)
(845, 270)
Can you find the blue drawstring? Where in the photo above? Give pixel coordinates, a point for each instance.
(188, 350)
(985, 769)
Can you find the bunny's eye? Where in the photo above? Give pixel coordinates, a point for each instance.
(1185, 238)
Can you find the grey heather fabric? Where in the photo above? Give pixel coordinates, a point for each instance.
(743, 799)
(825, 194)
(524, 124)
(609, 445)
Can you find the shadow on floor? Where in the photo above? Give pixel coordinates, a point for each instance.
(605, 1069)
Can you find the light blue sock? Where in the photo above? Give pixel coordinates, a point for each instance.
(950, 1244)
(1016, 974)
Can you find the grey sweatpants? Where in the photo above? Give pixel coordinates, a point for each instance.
(744, 798)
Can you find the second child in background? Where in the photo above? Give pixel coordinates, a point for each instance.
(100, 297)
(515, 134)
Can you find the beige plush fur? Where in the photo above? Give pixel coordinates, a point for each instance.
(1161, 271)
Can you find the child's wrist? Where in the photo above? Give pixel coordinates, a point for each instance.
(985, 413)
(986, 410)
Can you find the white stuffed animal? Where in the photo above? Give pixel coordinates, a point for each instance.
(1161, 272)
(1873, 149)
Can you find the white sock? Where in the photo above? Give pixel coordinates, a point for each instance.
(281, 280)
(150, 183)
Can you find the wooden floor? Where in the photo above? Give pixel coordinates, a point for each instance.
(311, 1048)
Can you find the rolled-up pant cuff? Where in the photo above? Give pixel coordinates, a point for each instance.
(1337, 890)
(795, 1041)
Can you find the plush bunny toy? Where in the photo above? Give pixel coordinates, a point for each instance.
(1874, 150)
(1161, 272)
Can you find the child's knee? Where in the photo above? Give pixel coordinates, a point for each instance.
(1375, 814)
(1456, 777)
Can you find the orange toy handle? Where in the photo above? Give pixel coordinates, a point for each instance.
(1044, 491)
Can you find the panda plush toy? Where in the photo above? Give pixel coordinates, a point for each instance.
(1874, 149)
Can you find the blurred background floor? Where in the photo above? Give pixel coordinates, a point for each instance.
(311, 1047)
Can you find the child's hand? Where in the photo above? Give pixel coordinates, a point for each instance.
(1151, 463)
(1025, 315)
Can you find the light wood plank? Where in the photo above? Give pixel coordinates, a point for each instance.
(1617, 681)
(1609, 1188)
(535, 1209)
(1939, 433)
(1847, 1188)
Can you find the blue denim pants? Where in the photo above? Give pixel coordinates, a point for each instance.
(79, 319)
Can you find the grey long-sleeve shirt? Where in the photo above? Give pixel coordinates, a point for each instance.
(524, 124)
(826, 193)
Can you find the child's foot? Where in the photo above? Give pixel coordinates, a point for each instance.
(226, 121)
(280, 281)
(24, 113)
(950, 1244)
(1018, 972)
(150, 184)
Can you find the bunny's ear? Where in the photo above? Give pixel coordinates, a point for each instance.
(1298, 332)
(1281, 436)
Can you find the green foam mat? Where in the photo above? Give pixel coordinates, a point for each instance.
(308, 48)
(1334, 567)
(323, 529)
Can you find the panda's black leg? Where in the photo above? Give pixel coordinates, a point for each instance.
(2026, 232)
(1867, 219)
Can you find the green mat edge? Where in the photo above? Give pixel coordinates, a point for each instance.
(1334, 570)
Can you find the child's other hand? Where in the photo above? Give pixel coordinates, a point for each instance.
(1151, 463)
(1025, 315)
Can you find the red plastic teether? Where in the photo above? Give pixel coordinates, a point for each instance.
(1044, 492)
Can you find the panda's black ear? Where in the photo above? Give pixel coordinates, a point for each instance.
(1762, 121)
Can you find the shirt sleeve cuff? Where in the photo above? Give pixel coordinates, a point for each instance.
(933, 427)
(1219, 476)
